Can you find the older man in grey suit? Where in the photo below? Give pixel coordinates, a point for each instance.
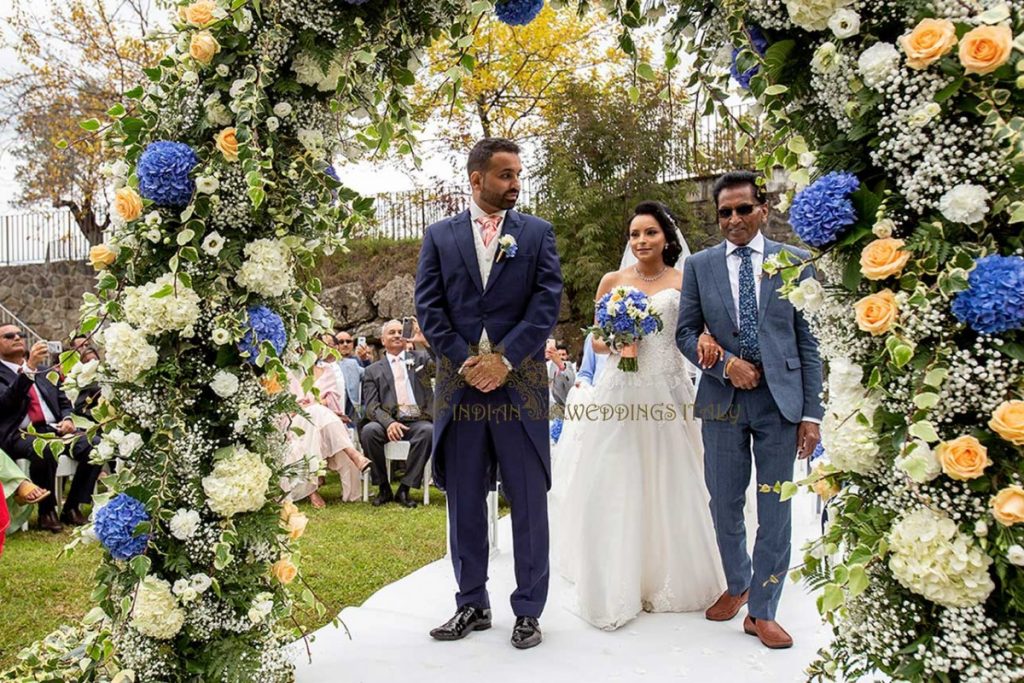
(763, 394)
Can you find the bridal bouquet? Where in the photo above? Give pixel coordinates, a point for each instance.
(624, 317)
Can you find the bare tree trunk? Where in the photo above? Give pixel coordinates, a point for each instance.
(86, 220)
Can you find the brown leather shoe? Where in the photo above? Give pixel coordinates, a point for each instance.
(770, 633)
(73, 517)
(49, 522)
(726, 607)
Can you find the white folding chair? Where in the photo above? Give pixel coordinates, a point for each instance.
(66, 468)
(399, 450)
(365, 476)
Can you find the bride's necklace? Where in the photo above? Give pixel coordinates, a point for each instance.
(651, 278)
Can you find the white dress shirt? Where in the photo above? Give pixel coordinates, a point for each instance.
(47, 413)
(733, 261)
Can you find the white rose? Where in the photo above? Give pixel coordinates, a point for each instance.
(237, 87)
(213, 243)
(180, 586)
(184, 524)
(129, 444)
(153, 235)
(923, 115)
(201, 582)
(207, 184)
(980, 528)
(243, 21)
(220, 336)
(965, 203)
(825, 58)
(223, 70)
(1015, 554)
(152, 219)
(224, 384)
(190, 78)
(282, 109)
(273, 123)
(845, 23)
(814, 294)
(878, 63)
(883, 228)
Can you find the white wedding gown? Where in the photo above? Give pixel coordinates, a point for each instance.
(631, 525)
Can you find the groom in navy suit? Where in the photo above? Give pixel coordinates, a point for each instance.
(761, 395)
(488, 290)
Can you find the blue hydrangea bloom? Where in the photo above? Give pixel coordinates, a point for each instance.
(512, 251)
(994, 299)
(518, 12)
(115, 527)
(822, 210)
(621, 322)
(760, 44)
(556, 429)
(163, 171)
(264, 325)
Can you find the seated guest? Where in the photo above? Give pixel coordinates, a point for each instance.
(20, 494)
(351, 370)
(399, 406)
(324, 438)
(27, 397)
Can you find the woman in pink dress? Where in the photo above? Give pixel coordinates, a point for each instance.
(324, 439)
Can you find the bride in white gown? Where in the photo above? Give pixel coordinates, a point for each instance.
(634, 531)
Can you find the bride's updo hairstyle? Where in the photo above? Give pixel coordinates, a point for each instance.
(660, 212)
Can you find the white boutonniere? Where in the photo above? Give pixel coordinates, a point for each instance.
(507, 247)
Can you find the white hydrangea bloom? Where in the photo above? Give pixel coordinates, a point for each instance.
(877, 63)
(965, 203)
(267, 269)
(184, 524)
(156, 613)
(813, 15)
(178, 310)
(238, 483)
(931, 557)
(128, 353)
(224, 384)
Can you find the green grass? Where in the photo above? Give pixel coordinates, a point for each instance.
(349, 551)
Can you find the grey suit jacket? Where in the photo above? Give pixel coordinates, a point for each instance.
(789, 352)
(380, 401)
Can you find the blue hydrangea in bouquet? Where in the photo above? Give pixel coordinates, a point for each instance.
(624, 316)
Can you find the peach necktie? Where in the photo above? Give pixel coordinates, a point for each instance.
(488, 228)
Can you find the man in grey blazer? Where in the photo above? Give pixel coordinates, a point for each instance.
(398, 403)
(763, 394)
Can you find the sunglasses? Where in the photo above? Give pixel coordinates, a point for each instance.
(344, 341)
(741, 210)
(15, 335)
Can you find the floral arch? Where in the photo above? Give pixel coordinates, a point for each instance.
(906, 114)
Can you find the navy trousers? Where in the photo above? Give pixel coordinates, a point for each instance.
(483, 434)
(755, 421)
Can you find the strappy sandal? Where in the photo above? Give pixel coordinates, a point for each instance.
(34, 495)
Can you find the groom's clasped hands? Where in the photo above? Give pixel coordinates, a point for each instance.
(485, 372)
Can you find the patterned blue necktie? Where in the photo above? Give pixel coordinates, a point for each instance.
(749, 348)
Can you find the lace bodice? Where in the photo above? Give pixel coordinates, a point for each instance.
(659, 359)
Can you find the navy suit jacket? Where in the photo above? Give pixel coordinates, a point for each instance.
(789, 352)
(518, 306)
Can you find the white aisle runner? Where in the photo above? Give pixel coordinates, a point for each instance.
(390, 640)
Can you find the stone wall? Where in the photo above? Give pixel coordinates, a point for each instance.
(47, 296)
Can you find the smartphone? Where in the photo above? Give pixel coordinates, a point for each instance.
(361, 341)
(551, 343)
(54, 347)
(406, 328)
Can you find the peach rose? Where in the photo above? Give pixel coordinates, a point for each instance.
(203, 47)
(986, 48)
(200, 12)
(930, 40)
(1008, 506)
(1008, 421)
(101, 256)
(825, 487)
(297, 526)
(288, 509)
(127, 203)
(883, 258)
(271, 385)
(284, 570)
(227, 143)
(876, 312)
(963, 458)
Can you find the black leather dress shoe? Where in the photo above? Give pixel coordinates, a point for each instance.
(383, 496)
(526, 633)
(74, 517)
(49, 522)
(402, 498)
(466, 619)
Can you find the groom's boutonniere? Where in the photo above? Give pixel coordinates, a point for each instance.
(507, 247)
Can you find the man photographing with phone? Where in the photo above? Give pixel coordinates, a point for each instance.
(28, 398)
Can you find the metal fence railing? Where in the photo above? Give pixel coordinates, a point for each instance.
(41, 237)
